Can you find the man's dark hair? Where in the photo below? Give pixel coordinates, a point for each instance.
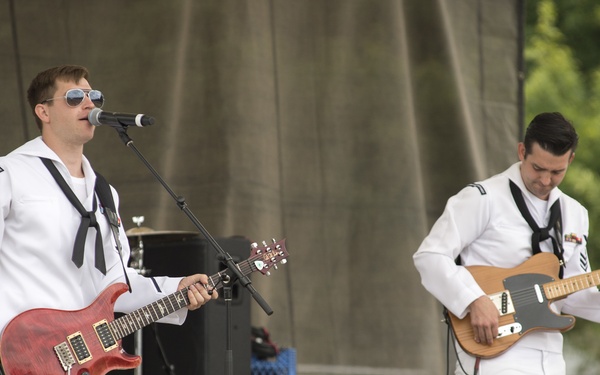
(43, 86)
(552, 132)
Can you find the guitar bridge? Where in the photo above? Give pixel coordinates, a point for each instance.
(64, 356)
(509, 329)
(503, 302)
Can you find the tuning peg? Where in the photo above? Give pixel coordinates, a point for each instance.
(272, 239)
(283, 261)
(275, 266)
(254, 245)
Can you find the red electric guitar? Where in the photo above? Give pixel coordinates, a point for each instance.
(88, 341)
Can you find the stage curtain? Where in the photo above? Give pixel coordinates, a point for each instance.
(340, 125)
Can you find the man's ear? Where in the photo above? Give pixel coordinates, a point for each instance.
(42, 112)
(521, 151)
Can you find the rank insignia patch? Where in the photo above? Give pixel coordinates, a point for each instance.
(480, 187)
(583, 261)
(572, 237)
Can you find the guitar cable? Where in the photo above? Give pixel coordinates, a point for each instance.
(451, 339)
(210, 290)
(223, 278)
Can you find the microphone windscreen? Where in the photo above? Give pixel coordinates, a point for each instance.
(93, 116)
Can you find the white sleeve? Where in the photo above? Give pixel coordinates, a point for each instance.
(5, 198)
(585, 303)
(463, 220)
(145, 290)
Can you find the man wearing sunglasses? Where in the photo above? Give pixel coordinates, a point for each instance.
(41, 264)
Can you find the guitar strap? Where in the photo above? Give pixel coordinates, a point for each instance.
(109, 209)
(542, 234)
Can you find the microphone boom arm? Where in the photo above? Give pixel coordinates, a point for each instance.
(181, 203)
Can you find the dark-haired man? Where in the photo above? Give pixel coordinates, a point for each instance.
(485, 224)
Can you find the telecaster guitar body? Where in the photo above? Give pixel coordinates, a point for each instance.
(522, 295)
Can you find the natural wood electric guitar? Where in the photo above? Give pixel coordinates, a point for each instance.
(522, 296)
(88, 341)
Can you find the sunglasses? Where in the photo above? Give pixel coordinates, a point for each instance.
(75, 97)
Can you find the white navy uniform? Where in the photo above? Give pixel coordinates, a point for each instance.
(483, 225)
(38, 225)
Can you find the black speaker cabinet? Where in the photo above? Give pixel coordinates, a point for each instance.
(198, 347)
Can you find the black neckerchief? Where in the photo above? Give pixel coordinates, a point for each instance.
(542, 234)
(88, 219)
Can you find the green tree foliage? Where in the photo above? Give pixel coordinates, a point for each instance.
(579, 23)
(563, 75)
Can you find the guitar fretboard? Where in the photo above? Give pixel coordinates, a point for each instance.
(157, 310)
(562, 288)
(142, 317)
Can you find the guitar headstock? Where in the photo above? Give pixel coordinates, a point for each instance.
(268, 256)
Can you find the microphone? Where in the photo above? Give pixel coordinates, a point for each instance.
(99, 117)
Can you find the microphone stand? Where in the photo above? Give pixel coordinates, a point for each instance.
(168, 367)
(228, 297)
(222, 255)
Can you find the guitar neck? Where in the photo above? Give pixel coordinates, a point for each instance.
(562, 288)
(157, 310)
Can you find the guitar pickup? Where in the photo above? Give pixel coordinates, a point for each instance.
(79, 347)
(503, 302)
(105, 335)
